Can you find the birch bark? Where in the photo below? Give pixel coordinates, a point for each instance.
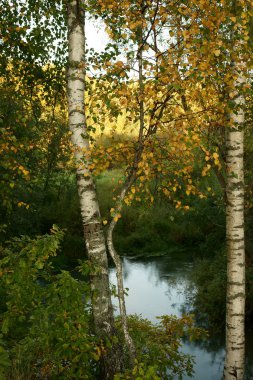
(93, 233)
(235, 314)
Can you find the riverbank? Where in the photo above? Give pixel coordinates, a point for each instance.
(144, 230)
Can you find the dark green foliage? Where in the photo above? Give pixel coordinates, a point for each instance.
(47, 328)
(160, 229)
(46, 325)
(5, 362)
(58, 204)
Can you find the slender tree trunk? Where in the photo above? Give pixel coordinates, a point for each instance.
(119, 272)
(93, 233)
(128, 183)
(235, 316)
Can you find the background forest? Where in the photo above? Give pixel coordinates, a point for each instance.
(157, 106)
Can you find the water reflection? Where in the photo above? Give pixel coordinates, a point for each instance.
(157, 287)
(151, 291)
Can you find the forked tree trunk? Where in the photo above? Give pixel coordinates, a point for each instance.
(93, 233)
(235, 315)
(129, 181)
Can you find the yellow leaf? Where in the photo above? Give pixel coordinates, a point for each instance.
(178, 204)
(105, 222)
(217, 52)
(26, 172)
(215, 155)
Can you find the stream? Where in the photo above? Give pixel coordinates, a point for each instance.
(158, 286)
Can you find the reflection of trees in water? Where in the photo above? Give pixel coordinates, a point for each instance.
(130, 266)
(163, 265)
(175, 273)
(177, 265)
(213, 343)
(169, 269)
(176, 288)
(213, 346)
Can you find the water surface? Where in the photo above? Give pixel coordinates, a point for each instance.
(158, 286)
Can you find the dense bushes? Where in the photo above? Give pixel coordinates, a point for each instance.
(47, 329)
(46, 315)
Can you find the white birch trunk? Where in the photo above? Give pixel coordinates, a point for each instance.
(235, 315)
(93, 233)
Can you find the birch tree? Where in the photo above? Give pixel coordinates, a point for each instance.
(93, 233)
(235, 315)
(235, 306)
(241, 17)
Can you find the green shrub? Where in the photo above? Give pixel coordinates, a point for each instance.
(158, 348)
(47, 328)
